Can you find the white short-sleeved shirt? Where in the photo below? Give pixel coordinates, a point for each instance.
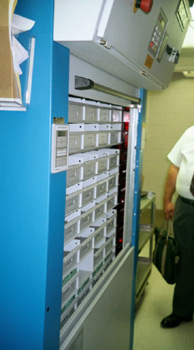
(182, 156)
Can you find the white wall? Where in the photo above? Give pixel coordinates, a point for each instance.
(168, 114)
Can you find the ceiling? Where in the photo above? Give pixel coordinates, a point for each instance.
(186, 60)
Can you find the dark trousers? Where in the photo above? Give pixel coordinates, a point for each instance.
(183, 300)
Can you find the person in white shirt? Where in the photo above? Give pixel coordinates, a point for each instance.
(179, 179)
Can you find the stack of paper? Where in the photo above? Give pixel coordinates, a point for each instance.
(12, 53)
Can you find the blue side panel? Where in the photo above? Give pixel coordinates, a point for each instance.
(136, 206)
(57, 207)
(32, 201)
(60, 81)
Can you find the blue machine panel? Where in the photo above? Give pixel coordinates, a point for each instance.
(32, 200)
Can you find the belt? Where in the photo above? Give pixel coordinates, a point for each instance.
(187, 201)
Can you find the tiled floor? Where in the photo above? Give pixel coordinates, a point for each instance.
(156, 304)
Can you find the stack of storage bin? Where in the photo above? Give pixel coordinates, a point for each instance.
(91, 196)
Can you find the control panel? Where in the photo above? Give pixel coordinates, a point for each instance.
(60, 141)
(158, 36)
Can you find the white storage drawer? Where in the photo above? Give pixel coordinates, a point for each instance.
(67, 293)
(85, 249)
(111, 227)
(72, 229)
(103, 138)
(99, 237)
(88, 196)
(98, 258)
(113, 182)
(89, 140)
(110, 245)
(70, 267)
(91, 114)
(115, 137)
(113, 161)
(101, 189)
(102, 165)
(112, 202)
(86, 221)
(104, 115)
(100, 211)
(73, 176)
(116, 115)
(68, 309)
(89, 169)
(84, 281)
(75, 142)
(75, 113)
(72, 203)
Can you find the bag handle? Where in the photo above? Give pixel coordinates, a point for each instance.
(170, 231)
(168, 227)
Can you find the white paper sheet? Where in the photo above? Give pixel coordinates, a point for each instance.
(19, 24)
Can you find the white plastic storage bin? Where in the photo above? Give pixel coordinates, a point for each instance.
(85, 252)
(88, 195)
(103, 138)
(100, 210)
(109, 252)
(98, 263)
(70, 267)
(113, 182)
(104, 115)
(112, 201)
(84, 281)
(111, 226)
(70, 260)
(116, 115)
(110, 246)
(86, 220)
(101, 188)
(75, 142)
(90, 140)
(102, 165)
(75, 114)
(91, 114)
(113, 161)
(69, 290)
(99, 237)
(73, 176)
(115, 137)
(89, 169)
(68, 309)
(72, 229)
(98, 257)
(69, 299)
(73, 202)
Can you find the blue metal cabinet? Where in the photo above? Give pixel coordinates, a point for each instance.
(32, 201)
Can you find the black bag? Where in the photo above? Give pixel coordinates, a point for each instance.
(166, 252)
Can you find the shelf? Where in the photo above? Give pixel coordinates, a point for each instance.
(143, 272)
(146, 201)
(147, 209)
(144, 236)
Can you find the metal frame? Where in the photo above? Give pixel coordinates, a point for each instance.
(136, 206)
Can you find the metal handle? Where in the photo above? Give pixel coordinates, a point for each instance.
(87, 84)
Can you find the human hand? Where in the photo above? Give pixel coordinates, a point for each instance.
(169, 210)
